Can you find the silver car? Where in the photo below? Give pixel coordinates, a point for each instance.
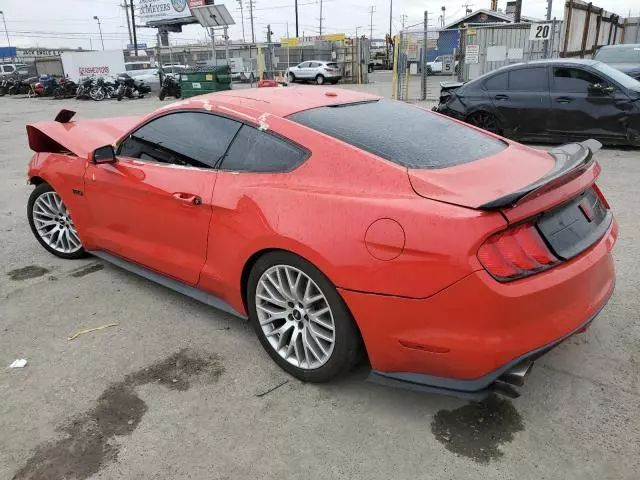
(316, 70)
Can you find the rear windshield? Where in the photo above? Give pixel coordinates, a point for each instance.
(400, 133)
(619, 54)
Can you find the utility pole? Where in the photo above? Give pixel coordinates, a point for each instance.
(95, 17)
(550, 4)
(423, 89)
(269, 57)
(320, 31)
(133, 28)
(253, 36)
(372, 9)
(126, 14)
(242, 20)
(390, 33)
(466, 6)
(5, 28)
(212, 33)
(403, 20)
(517, 13)
(444, 12)
(297, 34)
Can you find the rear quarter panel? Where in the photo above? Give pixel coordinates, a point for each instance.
(322, 210)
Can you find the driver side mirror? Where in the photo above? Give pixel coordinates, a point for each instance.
(105, 154)
(600, 89)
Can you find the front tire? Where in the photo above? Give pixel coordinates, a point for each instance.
(52, 225)
(300, 319)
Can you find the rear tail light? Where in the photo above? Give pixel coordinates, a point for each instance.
(603, 200)
(516, 253)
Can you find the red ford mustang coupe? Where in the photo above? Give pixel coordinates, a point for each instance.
(340, 223)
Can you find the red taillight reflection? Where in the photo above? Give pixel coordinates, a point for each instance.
(516, 253)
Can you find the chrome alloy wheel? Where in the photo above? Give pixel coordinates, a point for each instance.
(54, 225)
(295, 317)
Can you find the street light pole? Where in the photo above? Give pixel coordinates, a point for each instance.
(5, 28)
(99, 28)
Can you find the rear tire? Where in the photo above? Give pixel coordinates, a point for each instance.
(317, 335)
(485, 120)
(320, 79)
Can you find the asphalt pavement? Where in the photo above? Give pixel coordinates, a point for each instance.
(177, 390)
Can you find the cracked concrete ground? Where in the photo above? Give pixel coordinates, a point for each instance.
(172, 391)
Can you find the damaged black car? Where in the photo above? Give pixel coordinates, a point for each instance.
(552, 101)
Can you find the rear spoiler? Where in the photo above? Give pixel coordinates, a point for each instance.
(572, 160)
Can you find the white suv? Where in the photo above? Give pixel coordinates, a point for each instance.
(315, 70)
(13, 69)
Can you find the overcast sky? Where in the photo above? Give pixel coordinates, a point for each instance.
(70, 23)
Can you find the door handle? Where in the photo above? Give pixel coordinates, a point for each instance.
(501, 97)
(564, 100)
(188, 198)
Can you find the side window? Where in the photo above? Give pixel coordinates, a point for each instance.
(304, 65)
(256, 151)
(498, 82)
(314, 64)
(185, 138)
(529, 80)
(573, 80)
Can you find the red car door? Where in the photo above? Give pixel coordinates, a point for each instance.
(153, 206)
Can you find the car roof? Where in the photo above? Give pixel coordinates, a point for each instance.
(624, 45)
(555, 61)
(280, 101)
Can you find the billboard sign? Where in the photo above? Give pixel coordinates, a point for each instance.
(8, 52)
(162, 10)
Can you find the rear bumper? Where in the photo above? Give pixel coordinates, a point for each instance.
(464, 337)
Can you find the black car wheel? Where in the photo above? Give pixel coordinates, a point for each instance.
(486, 121)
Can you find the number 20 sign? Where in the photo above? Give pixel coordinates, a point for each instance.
(541, 31)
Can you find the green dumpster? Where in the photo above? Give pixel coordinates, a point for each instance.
(213, 79)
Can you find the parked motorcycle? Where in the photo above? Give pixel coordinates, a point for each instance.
(82, 92)
(45, 86)
(5, 84)
(23, 87)
(130, 87)
(66, 89)
(102, 89)
(170, 88)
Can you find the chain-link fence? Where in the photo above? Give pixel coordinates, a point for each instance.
(350, 56)
(424, 58)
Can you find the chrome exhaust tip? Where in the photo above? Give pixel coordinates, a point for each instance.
(517, 374)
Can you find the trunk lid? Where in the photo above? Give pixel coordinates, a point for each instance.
(484, 180)
(80, 138)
